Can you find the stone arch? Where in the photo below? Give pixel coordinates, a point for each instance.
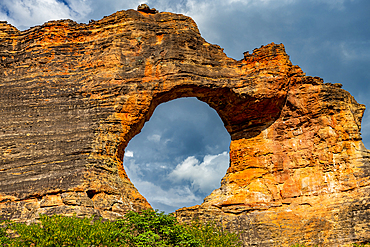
(298, 164)
(238, 113)
(245, 117)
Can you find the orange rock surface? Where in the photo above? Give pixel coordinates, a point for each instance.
(73, 96)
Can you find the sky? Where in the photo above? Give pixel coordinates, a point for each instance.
(182, 152)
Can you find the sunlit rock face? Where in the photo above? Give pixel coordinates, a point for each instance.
(73, 95)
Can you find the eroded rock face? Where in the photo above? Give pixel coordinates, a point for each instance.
(73, 96)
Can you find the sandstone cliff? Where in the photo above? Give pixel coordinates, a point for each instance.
(73, 95)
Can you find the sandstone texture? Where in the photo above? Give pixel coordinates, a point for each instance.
(73, 95)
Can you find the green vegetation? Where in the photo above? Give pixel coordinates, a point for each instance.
(149, 228)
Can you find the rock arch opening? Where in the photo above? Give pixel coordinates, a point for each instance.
(243, 116)
(180, 155)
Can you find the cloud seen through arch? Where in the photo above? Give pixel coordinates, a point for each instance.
(180, 155)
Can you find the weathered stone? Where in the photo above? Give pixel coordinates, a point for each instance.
(51, 201)
(77, 198)
(145, 8)
(73, 96)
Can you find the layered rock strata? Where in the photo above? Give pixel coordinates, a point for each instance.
(73, 96)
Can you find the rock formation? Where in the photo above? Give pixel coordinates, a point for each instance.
(73, 95)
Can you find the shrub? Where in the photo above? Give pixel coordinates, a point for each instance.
(59, 230)
(149, 228)
(4, 239)
(153, 228)
(210, 234)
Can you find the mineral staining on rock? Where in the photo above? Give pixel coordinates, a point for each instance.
(73, 96)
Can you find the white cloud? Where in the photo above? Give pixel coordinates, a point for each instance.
(26, 13)
(178, 196)
(80, 7)
(351, 51)
(335, 4)
(154, 138)
(203, 176)
(129, 154)
(175, 196)
(209, 13)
